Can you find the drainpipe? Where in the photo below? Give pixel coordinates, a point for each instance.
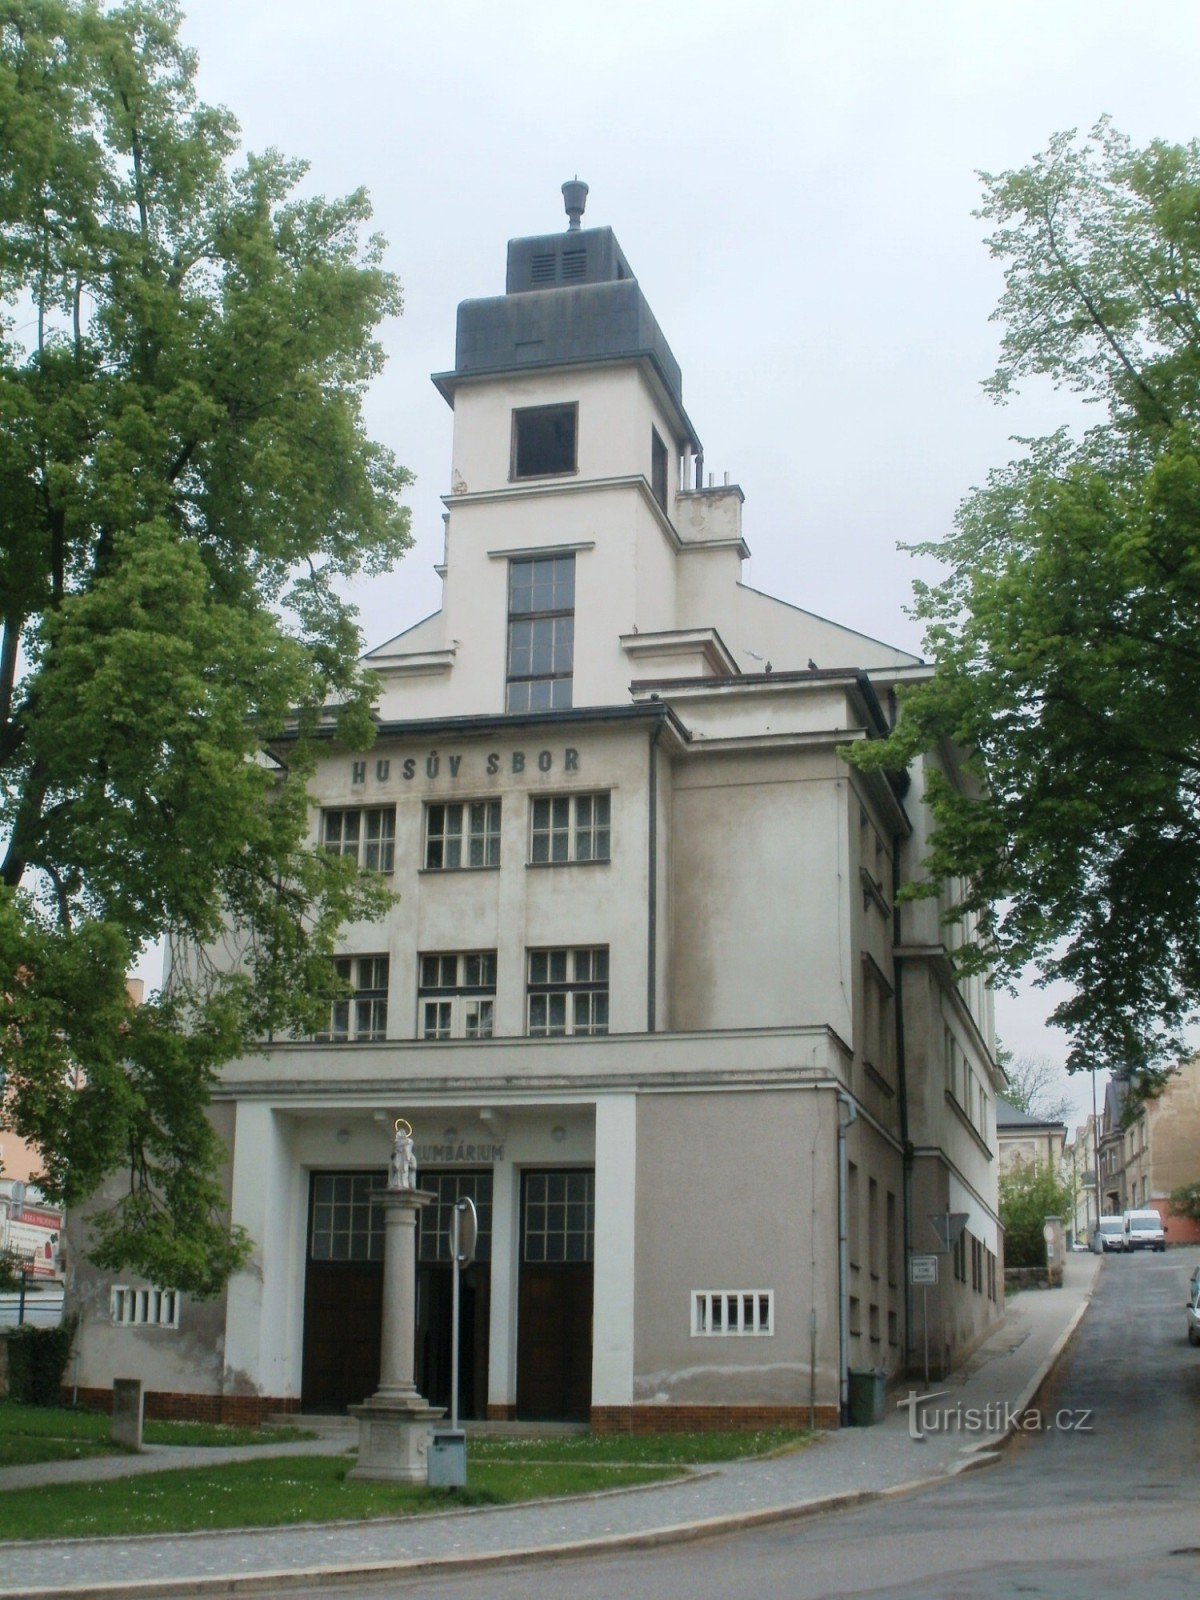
(902, 1095)
(652, 879)
(845, 1103)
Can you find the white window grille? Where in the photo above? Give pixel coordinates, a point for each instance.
(721, 1312)
(150, 1308)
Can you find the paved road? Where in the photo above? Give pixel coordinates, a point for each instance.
(1109, 1506)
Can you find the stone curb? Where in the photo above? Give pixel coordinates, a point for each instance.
(996, 1444)
(414, 1566)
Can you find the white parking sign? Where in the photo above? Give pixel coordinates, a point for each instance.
(923, 1269)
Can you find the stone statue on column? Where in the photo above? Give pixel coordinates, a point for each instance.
(394, 1424)
(402, 1169)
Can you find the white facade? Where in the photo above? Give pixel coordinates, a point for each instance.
(644, 959)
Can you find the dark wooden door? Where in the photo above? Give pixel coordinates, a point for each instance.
(435, 1301)
(554, 1304)
(554, 1343)
(343, 1307)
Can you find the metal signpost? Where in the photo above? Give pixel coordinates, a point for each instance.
(924, 1270)
(464, 1231)
(448, 1446)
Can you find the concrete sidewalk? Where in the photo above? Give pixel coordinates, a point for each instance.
(962, 1427)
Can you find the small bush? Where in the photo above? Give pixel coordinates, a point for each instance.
(37, 1359)
(1028, 1195)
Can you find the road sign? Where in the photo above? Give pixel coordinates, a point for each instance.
(948, 1225)
(464, 1231)
(922, 1269)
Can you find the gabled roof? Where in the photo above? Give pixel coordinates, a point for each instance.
(1011, 1119)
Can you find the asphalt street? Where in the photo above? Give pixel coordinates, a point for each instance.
(1103, 1500)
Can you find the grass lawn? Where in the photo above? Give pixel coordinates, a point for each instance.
(43, 1433)
(648, 1449)
(294, 1489)
(291, 1489)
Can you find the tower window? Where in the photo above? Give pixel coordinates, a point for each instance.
(541, 633)
(543, 441)
(658, 468)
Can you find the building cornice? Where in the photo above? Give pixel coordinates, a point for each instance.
(507, 722)
(574, 486)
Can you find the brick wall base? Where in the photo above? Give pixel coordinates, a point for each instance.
(241, 1410)
(712, 1419)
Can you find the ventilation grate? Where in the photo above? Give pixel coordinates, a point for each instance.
(541, 269)
(574, 264)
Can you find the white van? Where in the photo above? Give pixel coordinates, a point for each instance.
(1108, 1234)
(1144, 1231)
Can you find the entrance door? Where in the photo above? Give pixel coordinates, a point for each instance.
(554, 1313)
(435, 1295)
(343, 1291)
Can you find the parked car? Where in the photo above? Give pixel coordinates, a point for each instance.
(1144, 1231)
(1193, 1311)
(1108, 1234)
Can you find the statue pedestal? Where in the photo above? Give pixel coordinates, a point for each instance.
(394, 1424)
(393, 1441)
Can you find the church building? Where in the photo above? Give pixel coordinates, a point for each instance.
(645, 992)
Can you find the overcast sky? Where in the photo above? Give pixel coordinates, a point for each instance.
(792, 184)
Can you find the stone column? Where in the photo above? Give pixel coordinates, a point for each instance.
(394, 1424)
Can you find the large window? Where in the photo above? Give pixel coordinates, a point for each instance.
(464, 833)
(560, 1216)
(433, 1223)
(567, 992)
(457, 995)
(367, 833)
(541, 633)
(543, 442)
(362, 1012)
(569, 827)
(343, 1224)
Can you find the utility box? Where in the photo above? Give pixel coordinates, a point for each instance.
(447, 1458)
(868, 1389)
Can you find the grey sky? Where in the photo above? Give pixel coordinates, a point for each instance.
(793, 186)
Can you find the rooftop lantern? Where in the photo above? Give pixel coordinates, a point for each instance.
(575, 196)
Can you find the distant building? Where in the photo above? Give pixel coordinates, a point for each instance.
(1079, 1174)
(1149, 1148)
(1027, 1140)
(646, 994)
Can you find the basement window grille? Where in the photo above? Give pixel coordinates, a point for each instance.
(148, 1308)
(721, 1312)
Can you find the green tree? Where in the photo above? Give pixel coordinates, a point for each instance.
(1028, 1195)
(1186, 1200)
(1066, 632)
(185, 479)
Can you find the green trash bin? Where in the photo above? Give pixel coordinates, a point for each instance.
(868, 1386)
